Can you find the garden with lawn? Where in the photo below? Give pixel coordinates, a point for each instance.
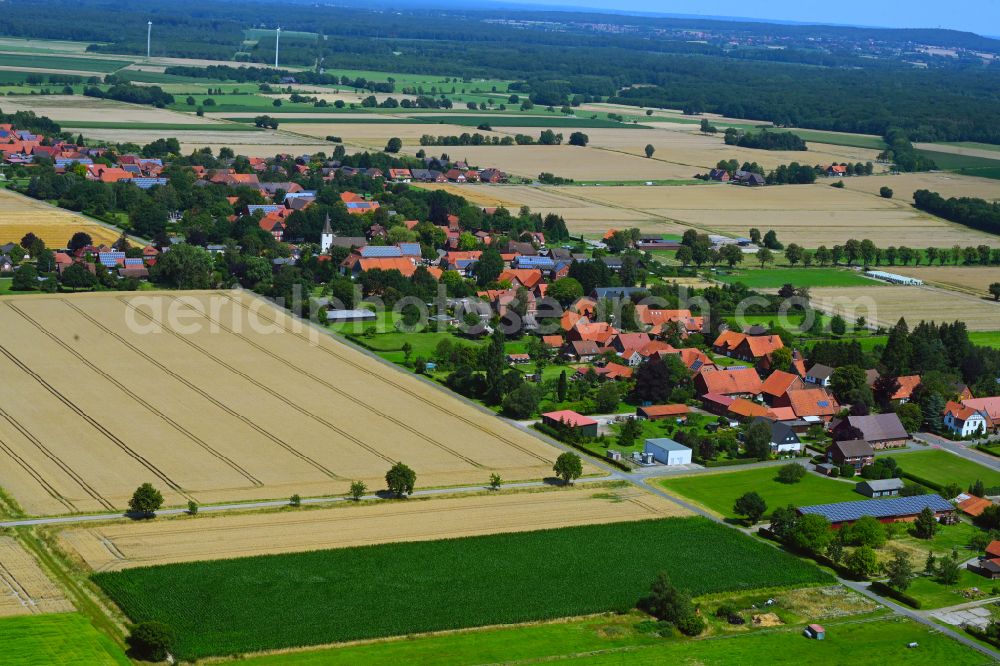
(942, 468)
(719, 491)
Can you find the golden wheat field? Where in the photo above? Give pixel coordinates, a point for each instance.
(218, 396)
(62, 108)
(944, 183)
(975, 279)
(121, 546)
(24, 587)
(20, 214)
(884, 305)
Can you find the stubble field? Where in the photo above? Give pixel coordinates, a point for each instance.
(946, 184)
(975, 279)
(218, 397)
(886, 304)
(123, 546)
(24, 587)
(20, 215)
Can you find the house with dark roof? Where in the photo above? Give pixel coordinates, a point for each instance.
(879, 487)
(882, 431)
(819, 374)
(783, 438)
(855, 452)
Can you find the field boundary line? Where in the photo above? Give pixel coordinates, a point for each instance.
(345, 394)
(387, 380)
(17, 590)
(139, 399)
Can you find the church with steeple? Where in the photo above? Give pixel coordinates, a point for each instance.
(326, 238)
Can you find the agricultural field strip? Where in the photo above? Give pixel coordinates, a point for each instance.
(24, 587)
(122, 546)
(241, 467)
(885, 304)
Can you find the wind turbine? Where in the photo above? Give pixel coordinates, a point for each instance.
(149, 37)
(277, 41)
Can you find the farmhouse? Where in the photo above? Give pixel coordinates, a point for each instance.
(966, 421)
(879, 487)
(891, 510)
(750, 348)
(567, 418)
(820, 375)
(667, 452)
(778, 384)
(855, 452)
(882, 431)
(660, 412)
(735, 382)
(990, 406)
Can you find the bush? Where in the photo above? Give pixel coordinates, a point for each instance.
(791, 473)
(885, 192)
(295, 500)
(151, 641)
(192, 508)
(691, 625)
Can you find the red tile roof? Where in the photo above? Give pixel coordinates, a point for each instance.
(730, 381)
(570, 418)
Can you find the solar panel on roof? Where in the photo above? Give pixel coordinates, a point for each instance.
(878, 508)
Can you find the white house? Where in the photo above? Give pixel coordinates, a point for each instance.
(965, 421)
(668, 452)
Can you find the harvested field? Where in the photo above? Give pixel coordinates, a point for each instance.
(573, 203)
(65, 108)
(946, 184)
(564, 160)
(968, 149)
(123, 546)
(810, 215)
(24, 587)
(375, 135)
(885, 305)
(20, 214)
(685, 145)
(974, 279)
(284, 409)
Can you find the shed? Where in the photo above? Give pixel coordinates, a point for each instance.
(815, 631)
(586, 426)
(658, 412)
(668, 452)
(347, 316)
(889, 510)
(879, 487)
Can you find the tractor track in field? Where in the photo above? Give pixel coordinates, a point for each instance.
(274, 394)
(385, 380)
(198, 441)
(347, 396)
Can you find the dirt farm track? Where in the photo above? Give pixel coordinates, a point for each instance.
(218, 396)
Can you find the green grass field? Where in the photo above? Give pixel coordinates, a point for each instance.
(968, 164)
(973, 144)
(833, 138)
(606, 640)
(396, 589)
(65, 638)
(933, 594)
(944, 468)
(719, 491)
(985, 338)
(69, 63)
(773, 278)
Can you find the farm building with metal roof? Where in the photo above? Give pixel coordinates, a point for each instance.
(894, 509)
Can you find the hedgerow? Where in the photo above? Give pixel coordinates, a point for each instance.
(257, 603)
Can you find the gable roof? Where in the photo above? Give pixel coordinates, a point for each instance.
(731, 380)
(778, 383)
(653, 411)
(813, 402)
(570, 418)
(907, 384)
(989, 405)
(879, 508)
(853, 448)
(762, 345)
(876, 427)
(819, 372)
(974, 506)
(748, 408)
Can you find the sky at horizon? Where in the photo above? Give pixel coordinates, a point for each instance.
(979, 16)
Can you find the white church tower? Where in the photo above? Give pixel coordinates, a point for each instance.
(326, 238)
